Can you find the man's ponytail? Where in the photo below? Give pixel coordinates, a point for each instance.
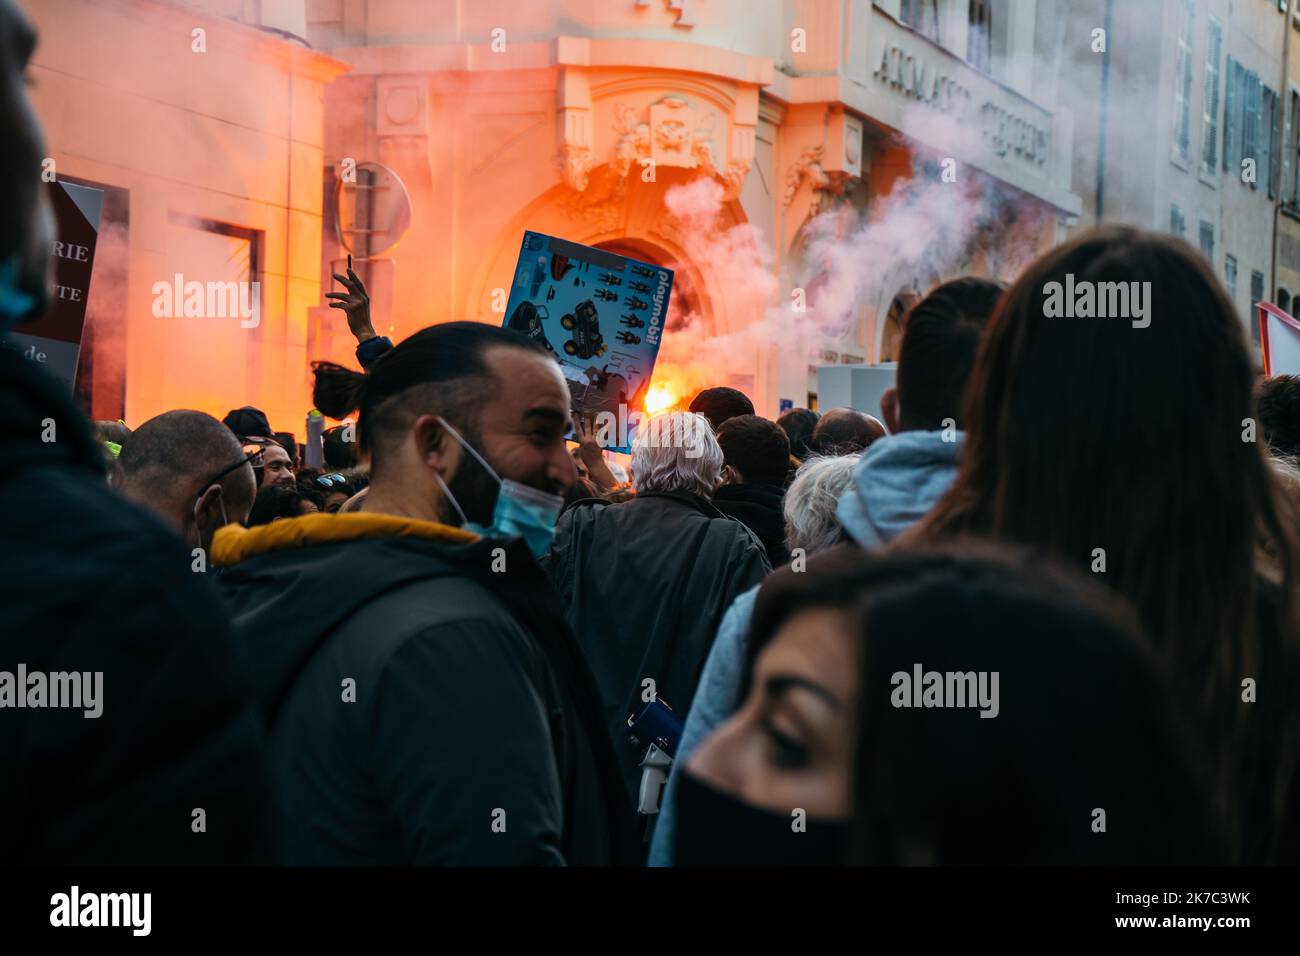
(338, 390)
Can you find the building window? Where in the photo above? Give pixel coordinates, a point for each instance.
(1252, 138)
(979, 35)
(1232, 118)
(1269, 136)
(1230, 277)
(1284, 300)
(922, 16)
(1207, 239)
(1295, 150)
(1177, 222)
(215, 354)
(1183, 85)
(1210, 111)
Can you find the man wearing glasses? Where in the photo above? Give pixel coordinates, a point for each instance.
(189, 469)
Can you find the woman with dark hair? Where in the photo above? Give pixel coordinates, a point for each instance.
(954, 706)
(1121, 445)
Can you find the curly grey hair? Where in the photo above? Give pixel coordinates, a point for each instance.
(676, 451)
(811, 500)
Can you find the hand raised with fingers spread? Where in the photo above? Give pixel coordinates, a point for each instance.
(590, 452)
(355, 304)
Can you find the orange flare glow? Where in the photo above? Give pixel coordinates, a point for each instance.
(660, 398)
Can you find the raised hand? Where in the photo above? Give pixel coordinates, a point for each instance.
(355, 304)
(591, 454)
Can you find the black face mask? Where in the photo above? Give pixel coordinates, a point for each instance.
(716, 829)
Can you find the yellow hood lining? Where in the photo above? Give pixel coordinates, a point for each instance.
(235, 543)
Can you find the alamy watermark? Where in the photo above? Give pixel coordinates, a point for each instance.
(83, 690)
(923, 688)
(75, 909)
(664, 430)
(1098, 300)
(208, 300)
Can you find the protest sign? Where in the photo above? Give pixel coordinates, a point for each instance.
(602, 316)
(54, 340)
(1279, 336)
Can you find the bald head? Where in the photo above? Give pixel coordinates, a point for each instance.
(168, 463)
(845, 431)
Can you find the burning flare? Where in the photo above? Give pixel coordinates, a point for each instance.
(660, 398)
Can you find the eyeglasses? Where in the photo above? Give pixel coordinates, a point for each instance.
(253, 456)
(329, 481)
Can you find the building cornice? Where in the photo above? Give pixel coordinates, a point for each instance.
(565, 51)
(243, 40)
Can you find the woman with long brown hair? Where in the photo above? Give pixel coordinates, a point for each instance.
(1111, 425)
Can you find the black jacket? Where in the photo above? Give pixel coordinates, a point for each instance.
(90, 582)
(645, 584)
(472, 705)
(759, 507)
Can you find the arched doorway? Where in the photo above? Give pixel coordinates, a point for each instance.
(685, 299)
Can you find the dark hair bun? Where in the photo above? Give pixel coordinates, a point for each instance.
(338, 390)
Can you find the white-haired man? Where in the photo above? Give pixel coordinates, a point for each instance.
(646, 582)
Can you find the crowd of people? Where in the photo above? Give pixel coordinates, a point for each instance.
(1041, 611)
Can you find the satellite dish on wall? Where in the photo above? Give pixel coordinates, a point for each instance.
(372, 209)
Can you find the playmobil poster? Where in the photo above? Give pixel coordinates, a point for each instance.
(600, 314)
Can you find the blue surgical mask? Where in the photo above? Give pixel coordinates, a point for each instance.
(15, 304)
(521, 511)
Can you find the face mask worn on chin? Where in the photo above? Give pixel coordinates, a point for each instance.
(521, 511)
(717, 829)
(15, 304)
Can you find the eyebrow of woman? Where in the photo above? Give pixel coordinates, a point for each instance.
(778, 684)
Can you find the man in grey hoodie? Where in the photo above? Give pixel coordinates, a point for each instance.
(898, 479)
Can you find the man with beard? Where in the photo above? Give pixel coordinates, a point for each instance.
(427, 702)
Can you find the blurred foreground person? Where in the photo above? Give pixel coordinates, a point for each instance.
(756, 457)
(903, 474)
(187, 468)
(874, 497)
(434, 708)
(948, 708)
(1087, 443)
(811, 527)
(135, 743)
(646, 582)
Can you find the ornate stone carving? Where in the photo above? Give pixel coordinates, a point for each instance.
(673, 136)
(633, 142)
(826, 186)
(575, 165)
